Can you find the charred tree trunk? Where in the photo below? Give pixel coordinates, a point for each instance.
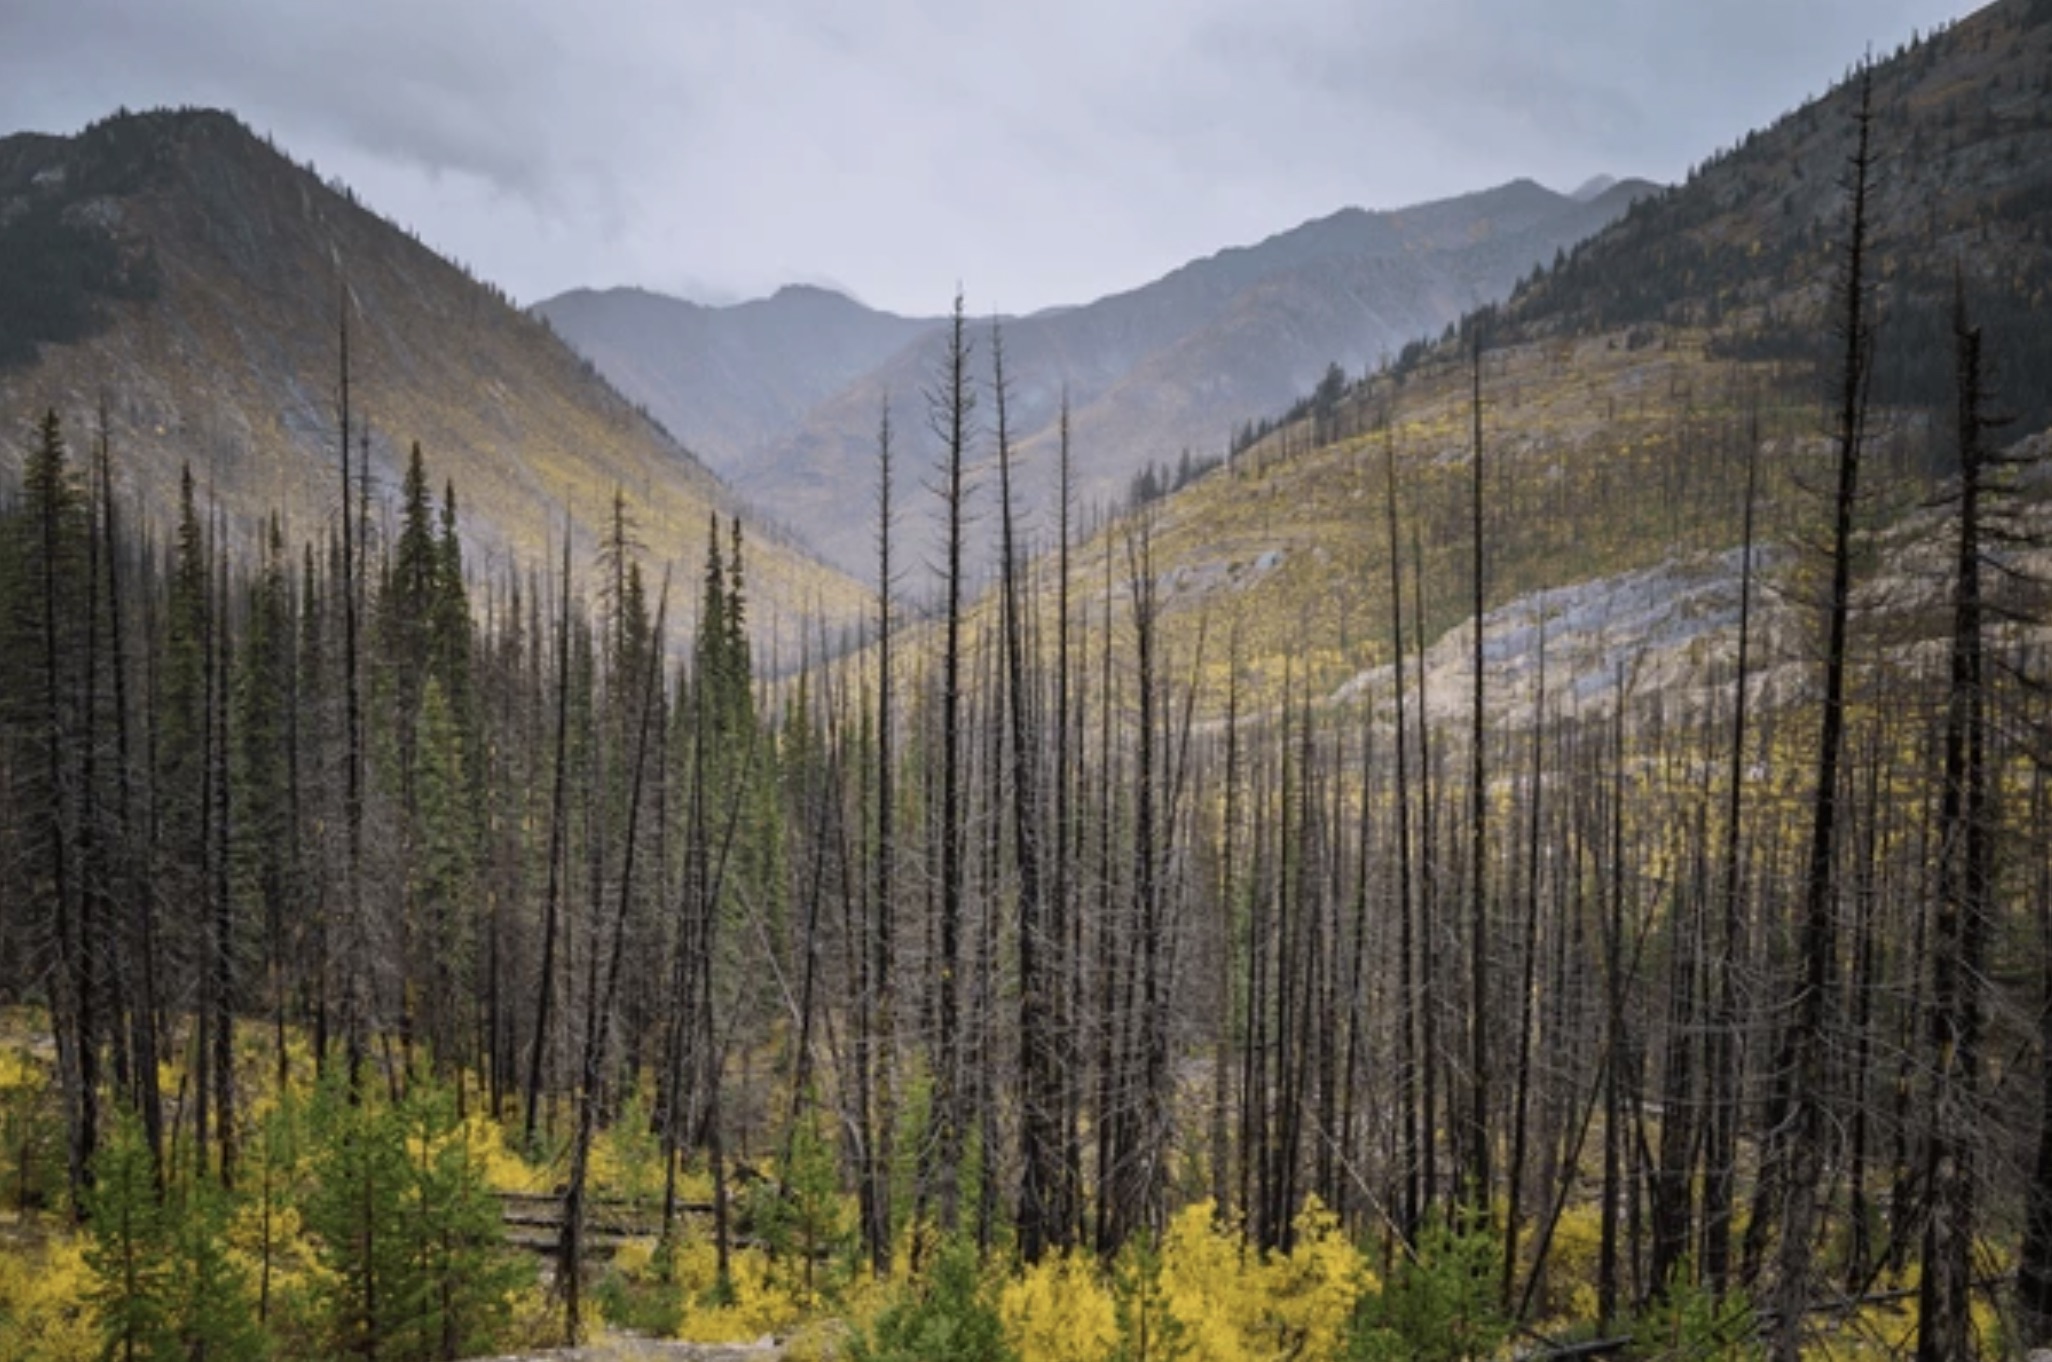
(950, 406)
(1529, 956)
(879, 1041)
(1962, 923)
(1039, 1077)
(559, 817)
(1475, 1141)
(1804, 1060)
(1412, 1129)
(1722, 1059)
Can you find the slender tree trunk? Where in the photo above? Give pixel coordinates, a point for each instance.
(2034, 1268)
(1963, 910)
(94, 919)
(1428, 895)
(222, 943)
(1040, 1130)
(140, 932)
(1064, 919)
(1672, 1183)
(1607, 1285)
(1722, 1061)
(1804, 1058)
(1528, 984)
(951, 406)
(55, 820)
(1413, 1129)
(882, 942)
(1340, 1141)
(355, 999)
(1475, 1142)
(545, 987)
(1861, 992)
(1222, 1182)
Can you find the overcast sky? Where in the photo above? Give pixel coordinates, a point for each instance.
(1040, 152)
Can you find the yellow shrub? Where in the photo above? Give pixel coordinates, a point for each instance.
(1570, 1288)
(634, 1257)
(819, 1341)
(1232, 1304)
(864, 1296)
(504, 1170)
(1313, 1288)
(18, 1069)
(756, 1302)
(1213, 1285)
(1059, 1310)
(534, 1317)
(44, 1315)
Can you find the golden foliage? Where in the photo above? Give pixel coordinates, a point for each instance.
(44, 1314)
(1060, 1310)
(1236, 1305)
(755, 1300)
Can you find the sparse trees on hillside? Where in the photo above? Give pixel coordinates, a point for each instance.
(1032, 926)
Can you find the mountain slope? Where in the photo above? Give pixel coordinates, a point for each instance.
(1173, 365)
(1623, 391)
(729, 378)
(223, 352)
(1962, 180)
(1280, 333)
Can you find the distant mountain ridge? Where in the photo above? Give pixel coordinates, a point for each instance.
(223, 354)
(784, 394)
(1594, 187)
(728, 373)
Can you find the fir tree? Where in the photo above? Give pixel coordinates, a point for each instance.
(38, 702)
(129, 1252)
(213, 1307)
(357, 1214)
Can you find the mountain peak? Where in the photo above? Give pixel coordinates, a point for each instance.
(1593, 188)
(800, 291)
(196, 272)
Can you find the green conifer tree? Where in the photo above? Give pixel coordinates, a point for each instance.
(39, 680)
(212, 1304)
(165, 1283)
(129, 1251)
(357, 1214)
(407, 1229)
(444, 870)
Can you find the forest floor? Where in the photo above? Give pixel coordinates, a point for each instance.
(625, 1348)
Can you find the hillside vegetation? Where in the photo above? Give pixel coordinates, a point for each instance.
(1621, 387)
(217, 344)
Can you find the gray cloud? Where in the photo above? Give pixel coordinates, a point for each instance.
(1040, 154)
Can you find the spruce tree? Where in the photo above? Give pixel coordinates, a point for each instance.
(129, 1252)
(265, 850)
(165, 1284)
(213, 1308)
(358, 1215)
(41, 716)
(444, 873)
